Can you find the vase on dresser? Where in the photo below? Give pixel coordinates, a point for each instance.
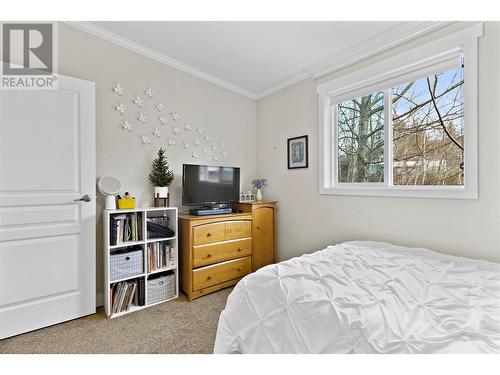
(258, 196)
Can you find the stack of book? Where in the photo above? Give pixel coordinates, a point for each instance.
(158, 227)
(160, 255)
(125, 228)
(125, 293)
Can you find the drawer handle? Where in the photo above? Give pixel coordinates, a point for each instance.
(239, 249)
(209, 255)
(258, 226)
(127, 258)
(209, 234)
(209, 277)
(239, 269)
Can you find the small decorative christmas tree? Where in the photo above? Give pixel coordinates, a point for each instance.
(161, 175)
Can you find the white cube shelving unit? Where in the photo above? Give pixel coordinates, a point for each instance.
(171, 212)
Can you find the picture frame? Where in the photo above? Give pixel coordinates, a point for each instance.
(298, 152)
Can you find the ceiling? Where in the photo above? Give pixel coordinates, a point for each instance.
(253, 57)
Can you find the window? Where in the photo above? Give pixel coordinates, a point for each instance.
(405, 130)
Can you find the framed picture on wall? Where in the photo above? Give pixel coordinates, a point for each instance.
(298, 152)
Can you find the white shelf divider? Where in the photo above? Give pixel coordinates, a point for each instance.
(172, 213)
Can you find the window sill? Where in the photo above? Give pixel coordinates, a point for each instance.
(403, 192)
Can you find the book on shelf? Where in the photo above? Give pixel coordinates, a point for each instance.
(123, 295)
(125, 228)
(160, 255)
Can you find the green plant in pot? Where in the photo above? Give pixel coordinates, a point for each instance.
(161, 176)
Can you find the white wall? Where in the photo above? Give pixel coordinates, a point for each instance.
(225, 116)
(309, 221)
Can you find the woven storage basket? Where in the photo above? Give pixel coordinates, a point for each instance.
(161, 288)
(127, 264)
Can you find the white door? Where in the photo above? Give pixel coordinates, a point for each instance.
(47, 236)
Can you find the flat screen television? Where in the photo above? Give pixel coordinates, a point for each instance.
(206, 185)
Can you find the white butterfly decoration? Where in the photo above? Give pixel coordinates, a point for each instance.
(156, 132)
(160, 107)
(118, 89)
(176, 130)
(196, 142)
(222, 145)
(171, 142)
(186, 144)
(145, 140)
(200, 131)
(176, 116)
(205, 151)
(188, 126)
(216, 158)
(127, 125)
(214, 147)
(142, 117)
(149, 92)
(121, 108)
(138, 101)
(207, 138)
(195, 155)
(163, 120)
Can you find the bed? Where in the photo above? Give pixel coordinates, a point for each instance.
(365, 297)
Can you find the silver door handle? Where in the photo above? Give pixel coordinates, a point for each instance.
(85, 198)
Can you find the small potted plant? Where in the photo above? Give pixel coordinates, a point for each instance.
(259, 184)
(161, 176)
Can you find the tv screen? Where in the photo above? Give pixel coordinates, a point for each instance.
(205, 184)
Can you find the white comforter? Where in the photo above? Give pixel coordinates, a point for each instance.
(365, 297)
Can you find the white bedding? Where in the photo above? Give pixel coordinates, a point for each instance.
(365, 297)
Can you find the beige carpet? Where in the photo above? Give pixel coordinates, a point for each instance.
(173, 327)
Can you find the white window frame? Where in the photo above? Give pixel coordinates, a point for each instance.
(417, 63)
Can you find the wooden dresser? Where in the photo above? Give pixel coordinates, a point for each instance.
(263, 231)
(217, 251)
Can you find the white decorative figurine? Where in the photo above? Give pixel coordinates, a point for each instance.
(138, 101)
(121, 108)
(126, 125)
(118, 89)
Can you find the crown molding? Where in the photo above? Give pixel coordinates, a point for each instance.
(154, 55)
(361, 51)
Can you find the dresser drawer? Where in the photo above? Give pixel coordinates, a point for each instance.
(238, 229)
(219, 273)
(209, 233)
(215, 253)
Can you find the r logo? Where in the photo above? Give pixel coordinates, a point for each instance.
(27, 48)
